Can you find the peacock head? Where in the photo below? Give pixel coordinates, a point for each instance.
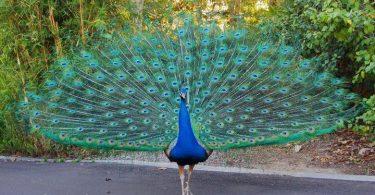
(183, 93)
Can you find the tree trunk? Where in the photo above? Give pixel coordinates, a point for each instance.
(55, 31)
(82, 27)
(139, 10)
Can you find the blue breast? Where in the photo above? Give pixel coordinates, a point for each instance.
(187, 150)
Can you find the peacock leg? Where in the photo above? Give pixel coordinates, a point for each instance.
(182, 177)
(187, 189)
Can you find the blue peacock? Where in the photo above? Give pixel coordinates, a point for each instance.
(187, 92)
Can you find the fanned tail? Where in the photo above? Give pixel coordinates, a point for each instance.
(244, 90)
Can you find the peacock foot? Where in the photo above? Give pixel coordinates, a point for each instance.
(187, 191)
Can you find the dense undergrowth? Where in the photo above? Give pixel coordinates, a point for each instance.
(342, 33)
(34, 33)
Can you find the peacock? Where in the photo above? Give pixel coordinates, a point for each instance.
(189, 90)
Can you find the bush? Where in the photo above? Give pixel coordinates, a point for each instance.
(366, 122)
(342, 33)
(32, 35)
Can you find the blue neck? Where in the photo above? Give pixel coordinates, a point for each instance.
(186, 136)
(187, 150)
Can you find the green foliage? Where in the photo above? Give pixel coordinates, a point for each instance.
(342, 33)
(32, 35)
(366, 121)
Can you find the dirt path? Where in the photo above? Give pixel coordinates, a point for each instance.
(341, 152)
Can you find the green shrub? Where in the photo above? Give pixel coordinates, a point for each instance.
(342, 33)
(32, 35)
(366, 122)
